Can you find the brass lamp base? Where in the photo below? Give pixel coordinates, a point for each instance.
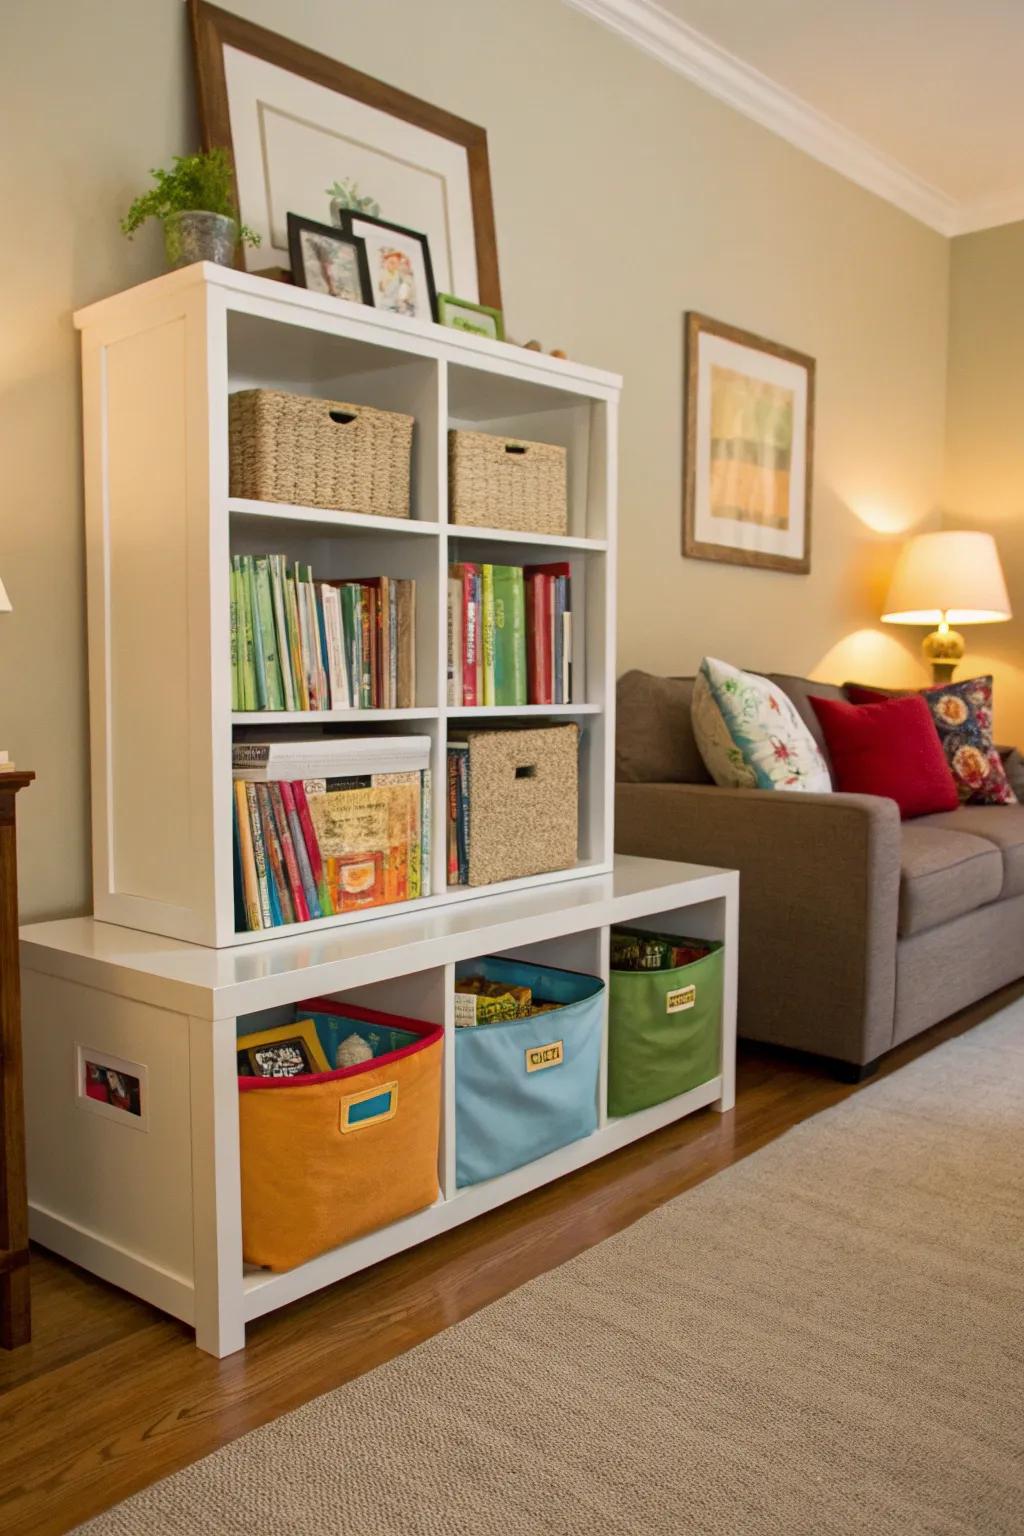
(943, 648)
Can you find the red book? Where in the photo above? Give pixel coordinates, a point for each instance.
(534, 648)
(288, 851)
(470, 575)
(544, 623)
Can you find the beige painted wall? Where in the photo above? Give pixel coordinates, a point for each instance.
(624, 196)
(984, 486)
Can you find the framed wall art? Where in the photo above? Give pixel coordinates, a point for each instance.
(297, 123)
(325, 259)
(749, 439)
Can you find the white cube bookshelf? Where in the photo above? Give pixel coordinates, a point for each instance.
(159, 363)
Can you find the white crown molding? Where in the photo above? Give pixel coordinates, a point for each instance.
(988, 212)
(657, 32)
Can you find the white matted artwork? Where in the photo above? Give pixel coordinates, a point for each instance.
(293, 138)
(749, 439)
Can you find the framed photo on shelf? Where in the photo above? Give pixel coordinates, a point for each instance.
(296, 122)
(290, 1050)
(327, 260)
(477, 319)
(748, 449)
(111, 1086)
(401, 271)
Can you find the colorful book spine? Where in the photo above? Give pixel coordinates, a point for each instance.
(426, 832)
(291, 599)
(268, 633)
(259, 855)
(291, 863)
(487, 631)
(454, 641)
(259, 659)
(247, 859)
(236, 690)
(309, 887)
(367, 637)
(509, 636)
(405, 642)
(312, 847)
(279, 888)
(247, 658)
(284, 651)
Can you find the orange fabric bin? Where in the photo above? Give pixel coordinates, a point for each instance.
(333, 1155)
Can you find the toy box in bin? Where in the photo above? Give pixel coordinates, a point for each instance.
(664, 1017)
(328, 1155)
(525, 1086)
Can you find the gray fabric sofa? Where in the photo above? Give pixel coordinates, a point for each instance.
(857, 930)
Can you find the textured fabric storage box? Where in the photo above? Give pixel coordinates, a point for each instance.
(523, 802)
(328, 1157)
(504, 482)
(527, 1087)
(319, 453)
(664, 1030)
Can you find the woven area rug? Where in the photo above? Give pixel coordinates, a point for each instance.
(823, 1340)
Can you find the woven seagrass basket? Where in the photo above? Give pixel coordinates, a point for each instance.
(319, 453)
(524, 802)
(504, 482)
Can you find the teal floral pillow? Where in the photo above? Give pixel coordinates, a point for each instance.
(750, 734)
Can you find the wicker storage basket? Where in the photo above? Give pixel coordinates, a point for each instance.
(319, 453)
(503, 482)
(524, 796)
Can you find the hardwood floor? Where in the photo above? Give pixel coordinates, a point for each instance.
(111, 1395)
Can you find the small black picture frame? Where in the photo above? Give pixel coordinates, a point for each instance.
(363, 226)
(310, 246)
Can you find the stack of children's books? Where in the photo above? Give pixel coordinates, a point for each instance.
(328, 826)
(509, 634)
(300, 644)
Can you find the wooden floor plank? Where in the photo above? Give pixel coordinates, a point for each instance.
(112, 1395)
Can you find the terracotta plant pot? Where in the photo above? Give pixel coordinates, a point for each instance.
(198, 236)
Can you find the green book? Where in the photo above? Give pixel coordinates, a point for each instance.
(487, 630)
(268, 634)
(249, 567)
(247, 665)
(284, 650)
(509, 636)
(233, 591)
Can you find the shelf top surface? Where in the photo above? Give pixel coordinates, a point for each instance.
(308, 308)
(215, 983)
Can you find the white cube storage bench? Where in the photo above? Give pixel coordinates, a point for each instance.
(151, 1201)
(131, 1017)
(159, 364)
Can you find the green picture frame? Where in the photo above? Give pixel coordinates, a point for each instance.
(476, 319)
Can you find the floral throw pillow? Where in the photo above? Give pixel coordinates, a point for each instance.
(963, 718)
(750, 734)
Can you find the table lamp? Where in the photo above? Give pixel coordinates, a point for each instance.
(947, 578)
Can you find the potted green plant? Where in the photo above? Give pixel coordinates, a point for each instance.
(195, 202)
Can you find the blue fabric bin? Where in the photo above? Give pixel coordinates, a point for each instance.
(525, 1087)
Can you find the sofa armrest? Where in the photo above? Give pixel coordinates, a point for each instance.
(819, 898)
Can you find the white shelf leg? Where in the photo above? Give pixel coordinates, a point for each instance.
(216, 1187)
(731, 938)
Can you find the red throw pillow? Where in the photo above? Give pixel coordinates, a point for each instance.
(962, 715)
(889, 748)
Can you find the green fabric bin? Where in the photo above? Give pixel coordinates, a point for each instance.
(664, 1030)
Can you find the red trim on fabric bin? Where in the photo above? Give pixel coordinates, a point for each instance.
(429, 1034)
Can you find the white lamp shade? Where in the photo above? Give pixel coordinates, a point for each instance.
(952, 575)
(5, 602)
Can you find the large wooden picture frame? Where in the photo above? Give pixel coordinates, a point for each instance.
(446, 153)
(749, 449)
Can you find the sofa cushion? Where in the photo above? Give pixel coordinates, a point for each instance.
(963, 719)
(654, 741)
(944, 873)
(799, 691)
(1001, 825)
(888, 748)
(750, 733)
